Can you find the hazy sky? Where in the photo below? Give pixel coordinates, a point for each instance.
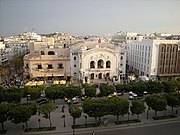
(82, 17)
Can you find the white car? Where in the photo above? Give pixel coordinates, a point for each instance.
(131, 97)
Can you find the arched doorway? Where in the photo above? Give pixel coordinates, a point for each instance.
(92, 64)
(108, 64)
(100, 75)
(92, 75)
(100, 64)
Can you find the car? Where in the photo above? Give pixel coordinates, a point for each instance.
(41, 101)
(66, 99)
(131, 97)
(145, 92)
(130, 93)
(112, 95)
(119, 93)
(84, 97)
(75, 100)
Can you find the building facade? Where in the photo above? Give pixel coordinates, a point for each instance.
(157, 59)
(84, 61)
(93, 60)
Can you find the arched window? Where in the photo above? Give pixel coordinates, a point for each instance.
(92, 64)
(108, 64)
(92, 75)
(42, 52)
(100, 75)
(51, 53)
(100, 64)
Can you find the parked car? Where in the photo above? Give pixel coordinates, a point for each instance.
(41, 101)
(131, 97)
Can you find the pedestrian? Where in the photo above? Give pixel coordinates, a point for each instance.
(63, 108)
(93, 133)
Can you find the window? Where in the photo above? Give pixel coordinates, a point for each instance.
(121, 57)
(92, 75)
(92, 64)
(74, 58)
(108, 64)
(74, 65)
(39, 66)
(51, 53)
(60, 66)
(42, 52)
(50, 66)
(100, 64)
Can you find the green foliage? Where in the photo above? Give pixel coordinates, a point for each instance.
(34, 92)
(137, 107)
(4, 108)
(89, 90)
(172, 100)
(46, 110)
(154, 87)
(72, 91)
(55, 92)
(169, 86)
(156, 102)
(17, 63)
(118, 107)
(139, 87)
(11, 95)
(123, 88)
(21, 112)
(96, 107)
(106, 89)
(75, 112)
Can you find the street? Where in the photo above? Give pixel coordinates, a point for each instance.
(169, 128)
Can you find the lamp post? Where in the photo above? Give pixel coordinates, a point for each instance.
(64, 120)
(39, 121)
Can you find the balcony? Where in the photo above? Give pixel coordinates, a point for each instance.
(99, 69)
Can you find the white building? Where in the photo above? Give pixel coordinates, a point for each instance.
(92, 60)
(152, 57)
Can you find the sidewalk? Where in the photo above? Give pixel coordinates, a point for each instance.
(59, 122)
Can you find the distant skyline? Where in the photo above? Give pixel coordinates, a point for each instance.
(89, 17)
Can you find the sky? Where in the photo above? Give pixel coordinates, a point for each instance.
(89, 17)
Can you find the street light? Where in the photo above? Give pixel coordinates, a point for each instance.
(39, 121)
(64, 120)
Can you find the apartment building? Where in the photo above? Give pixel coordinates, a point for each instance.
(47, 61)
(157, 59)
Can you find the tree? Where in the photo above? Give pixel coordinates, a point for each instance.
(46, 110)
(21, 113)
(156, 102)
(96, 108)
(106, 89)
(169, 86)
(4, 108)
(172, 101)
(4, 71)
(89, 90)
(137, 107)
(118, 107)
(55, 92)
(75, 112)
(139, 87)
(72, 91)
(154, 87)
(123, 88)
(17, 63)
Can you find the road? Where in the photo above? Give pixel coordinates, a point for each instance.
(170, 128)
